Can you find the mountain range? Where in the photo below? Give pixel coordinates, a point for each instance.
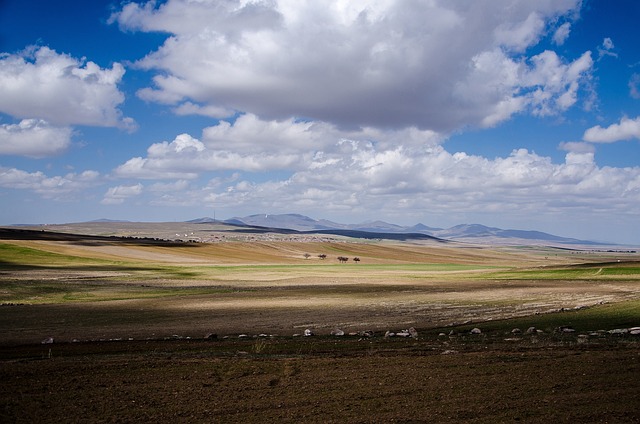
(475, 233)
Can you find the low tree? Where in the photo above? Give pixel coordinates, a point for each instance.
(307, 256)
(322, 256)
(356, 259)
(342, 259)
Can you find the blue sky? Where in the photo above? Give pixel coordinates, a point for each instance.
(515, 114)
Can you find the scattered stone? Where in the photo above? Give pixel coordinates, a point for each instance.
(565, 329)
(516, 331)
(243, 336)
(452, 333)
(337, 332)
(635, 331)
(403, 333)
(389, 334)
(442, 335)
(532, 330)
(308, 333)
(413, 332)
(619, 331)
(263, 335)
(211, 336)
(296, 335)
(449, 352)
(476, 330)
(48, 340)
(367, 333)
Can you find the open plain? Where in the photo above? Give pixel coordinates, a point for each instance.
(121, 322)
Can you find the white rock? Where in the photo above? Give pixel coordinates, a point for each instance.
(476, 331)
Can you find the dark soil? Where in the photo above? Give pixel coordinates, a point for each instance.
(483, 379)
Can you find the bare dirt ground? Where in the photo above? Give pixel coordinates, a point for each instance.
(128, 321)
(323, 380)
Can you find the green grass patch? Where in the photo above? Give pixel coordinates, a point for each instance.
(12, 256)
(36, 292)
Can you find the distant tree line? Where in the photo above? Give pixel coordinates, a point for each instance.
(342, 259)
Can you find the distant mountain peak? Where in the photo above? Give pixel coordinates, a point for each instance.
(476, 233)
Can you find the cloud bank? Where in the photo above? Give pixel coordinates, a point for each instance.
(434, 65)
(43, 84)
(34, 138)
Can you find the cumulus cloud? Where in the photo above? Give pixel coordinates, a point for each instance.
(41, 83)
(562, 33)
(408, 181)
(33, 138)
(577, 147)
(380, 64)
(117, 195)
(211, 111)
(627, 129)
(255, 145)
(405, 172)
(56, 187)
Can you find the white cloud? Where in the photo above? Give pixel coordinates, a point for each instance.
(40, 83)
(634, 86)
(606, 49)
(577, 147)
(625, 130)
(374, 173)
(562, 33)
(255, 145)
(57, 187)
(33, 138)
(211, 111)
(380, 64)
(520, 35)
(117, 195)
(396, 182)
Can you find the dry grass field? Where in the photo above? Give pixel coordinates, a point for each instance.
(128, 314)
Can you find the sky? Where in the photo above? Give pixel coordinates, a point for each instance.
(507, 113)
